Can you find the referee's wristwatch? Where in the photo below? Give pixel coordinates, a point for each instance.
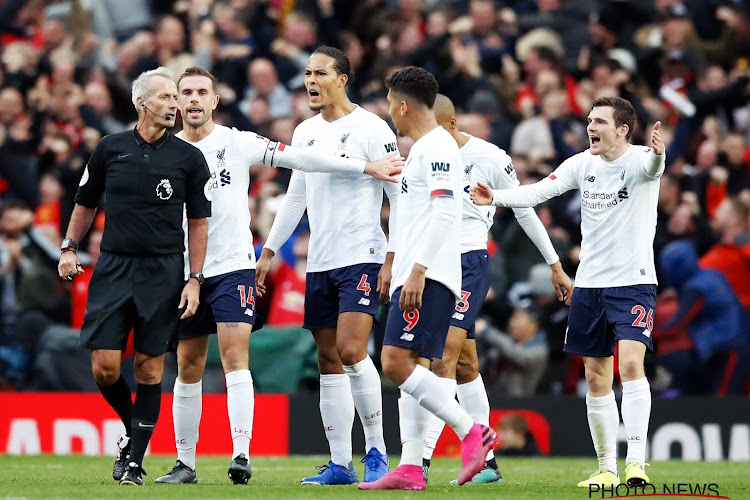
(68, 245)
(198, 276)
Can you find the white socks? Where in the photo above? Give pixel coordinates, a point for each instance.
(365, 387)
(412, 420)
(636, 410)
(434, 424)
(240, 405)
(337, 413)
(472, 396)
(425, 387)
(604, 421)
(187, 405)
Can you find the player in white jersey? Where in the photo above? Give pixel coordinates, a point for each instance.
(459, 367)
(227, 300)
(426, 283)
(615, 288)
(348, 263)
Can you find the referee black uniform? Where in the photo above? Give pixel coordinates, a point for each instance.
(138, 279)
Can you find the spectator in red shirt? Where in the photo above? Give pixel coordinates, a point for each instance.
(288, 298)
(727, 256)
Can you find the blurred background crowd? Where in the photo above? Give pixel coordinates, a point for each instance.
(522, 73)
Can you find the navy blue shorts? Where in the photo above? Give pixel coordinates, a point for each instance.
(423, 330)
(475, 283)
(599, 317)
(346, 289)
(226, 298)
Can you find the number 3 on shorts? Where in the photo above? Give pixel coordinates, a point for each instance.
(641, 312)
(412, 318)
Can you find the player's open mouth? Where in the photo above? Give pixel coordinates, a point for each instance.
(313, 94)
(594, 140)
(194, 111)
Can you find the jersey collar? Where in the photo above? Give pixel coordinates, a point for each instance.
(157, 144)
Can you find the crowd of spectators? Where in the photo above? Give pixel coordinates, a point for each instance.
(522, 74)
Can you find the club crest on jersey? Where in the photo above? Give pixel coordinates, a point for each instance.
(467, 171)
(221, 156)
(164, 189)
(344, 137)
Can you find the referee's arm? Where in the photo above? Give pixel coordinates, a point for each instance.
(89, 193)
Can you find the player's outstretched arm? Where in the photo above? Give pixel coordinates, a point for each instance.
(310, 160)
(529, 195)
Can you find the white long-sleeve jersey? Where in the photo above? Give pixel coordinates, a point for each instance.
(484, 162)
(343, 208)
(229, 154)
(430, 208)
(618, 213)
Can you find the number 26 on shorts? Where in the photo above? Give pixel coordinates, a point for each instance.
(640, 311)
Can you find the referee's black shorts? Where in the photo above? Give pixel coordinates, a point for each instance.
(138, 292)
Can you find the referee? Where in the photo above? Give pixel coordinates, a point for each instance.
(148, 176)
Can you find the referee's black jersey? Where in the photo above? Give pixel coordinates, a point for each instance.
(146, 186)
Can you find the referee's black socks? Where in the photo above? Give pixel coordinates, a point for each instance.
(119, 398)
(145, 415)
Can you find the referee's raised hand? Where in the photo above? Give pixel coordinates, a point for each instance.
(190, 298)
(69, 266)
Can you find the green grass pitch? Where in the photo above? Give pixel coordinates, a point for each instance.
(277, 478)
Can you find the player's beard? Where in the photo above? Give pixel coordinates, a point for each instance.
(206, 117)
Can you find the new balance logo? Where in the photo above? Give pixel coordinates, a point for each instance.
(312, 141)
(623, 193)
(248, 312)
(590, 178)
(457, 315)
(391, 148)
(407, 337)
(364, 302)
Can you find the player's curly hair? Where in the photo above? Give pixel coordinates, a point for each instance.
(414, 82)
